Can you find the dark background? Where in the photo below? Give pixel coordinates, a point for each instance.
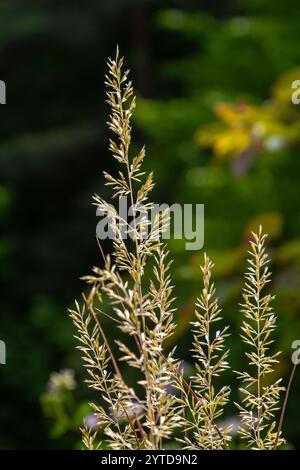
(186, 59)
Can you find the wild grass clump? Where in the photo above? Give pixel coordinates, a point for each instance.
(163, 405)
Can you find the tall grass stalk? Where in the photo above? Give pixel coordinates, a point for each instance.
(134, 289)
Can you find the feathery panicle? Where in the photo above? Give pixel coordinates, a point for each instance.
(116, 396)
(89, 438)
(211, 359)
(260, 399)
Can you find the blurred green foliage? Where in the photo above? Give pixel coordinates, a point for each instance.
(214, 107)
